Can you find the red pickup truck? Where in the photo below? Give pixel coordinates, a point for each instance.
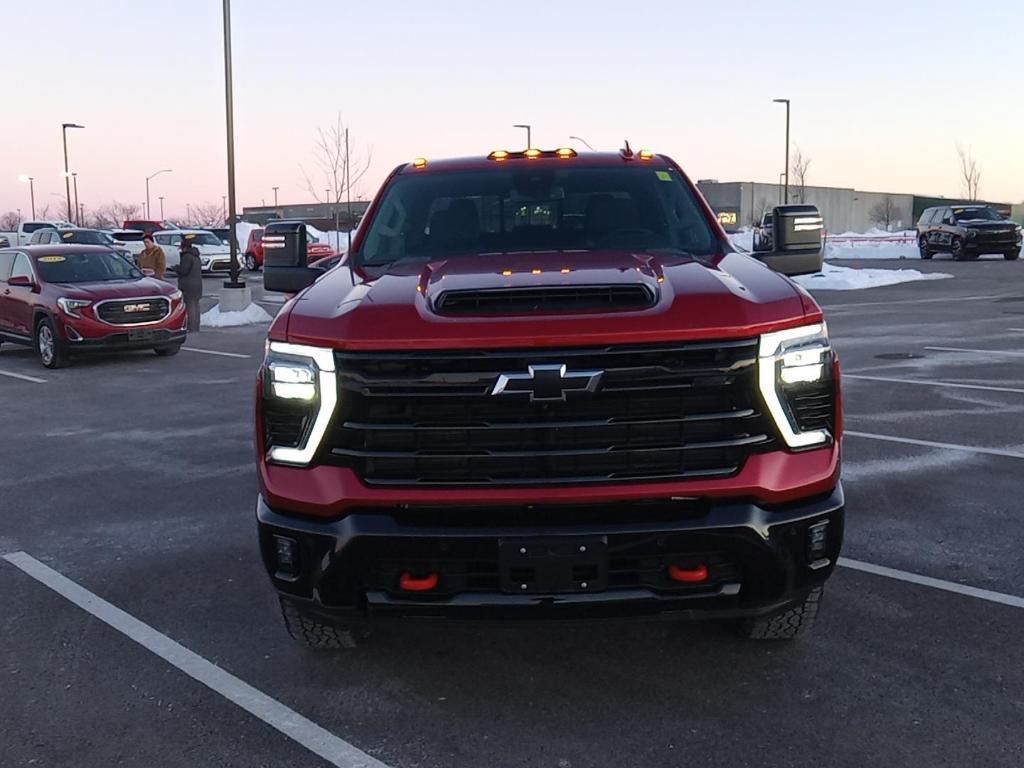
(547, 386)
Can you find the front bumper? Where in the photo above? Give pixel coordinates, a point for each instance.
(756, 558)
(87, 334)
(983, 244)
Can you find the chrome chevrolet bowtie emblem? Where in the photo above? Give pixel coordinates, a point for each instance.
(547, 382)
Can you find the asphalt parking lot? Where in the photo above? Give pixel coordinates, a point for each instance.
(132, 477)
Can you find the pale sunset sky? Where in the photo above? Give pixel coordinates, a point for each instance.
(881, 91)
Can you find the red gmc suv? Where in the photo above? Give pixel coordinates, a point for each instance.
(71, 299)
(547, 386)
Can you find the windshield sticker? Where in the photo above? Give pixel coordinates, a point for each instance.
(664, 175)
(51, 259)
(68, 235)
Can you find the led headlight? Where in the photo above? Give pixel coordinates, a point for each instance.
(303, 377)
(788, 362)
(71, 306)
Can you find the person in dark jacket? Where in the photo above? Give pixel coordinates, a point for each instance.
(190, 281)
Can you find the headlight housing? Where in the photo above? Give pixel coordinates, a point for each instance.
(71, 306)
(176, 296)
(299, 397)
(795, 379)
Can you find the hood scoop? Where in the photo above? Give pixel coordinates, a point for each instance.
(545, 299)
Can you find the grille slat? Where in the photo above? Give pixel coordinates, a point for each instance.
(142, 311)
(660, 411)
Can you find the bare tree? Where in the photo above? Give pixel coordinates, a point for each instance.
(884, 213)
(798, 170)
(112, 215)
(42, 211)
(208, 215)
(9, 221)
(340, 169)
(970, 173)
(762, 207)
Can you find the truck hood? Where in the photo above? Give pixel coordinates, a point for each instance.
(729, 295)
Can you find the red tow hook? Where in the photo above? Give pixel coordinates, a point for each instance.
(410, 583)
(688, 575)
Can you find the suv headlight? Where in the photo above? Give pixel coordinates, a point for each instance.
(299, 397)
(795, 379)
(71, 306)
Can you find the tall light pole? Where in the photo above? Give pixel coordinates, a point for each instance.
(161, 199)
(188, 213)
(785, 193)
(584, 142)
(31, 191)
(78, 210)
(67, 178)
(230, 113)
(153, 176)
(529, 143)
(275, 195)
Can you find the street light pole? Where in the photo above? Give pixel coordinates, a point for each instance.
(529, 142)
(584, 142)
(161, 199)
(153, 176)
(31, 190)
(785, 194)
(230, 113)
(67, 179)
(275, 195)
(78, 211)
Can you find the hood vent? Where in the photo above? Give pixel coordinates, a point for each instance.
(579, 298)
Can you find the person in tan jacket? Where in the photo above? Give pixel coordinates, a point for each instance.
(152, 257)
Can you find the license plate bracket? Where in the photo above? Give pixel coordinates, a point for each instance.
(141, 335)
(553, 564)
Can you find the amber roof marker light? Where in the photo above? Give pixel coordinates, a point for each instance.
(646, 154)
(563, 153)
(419, 162)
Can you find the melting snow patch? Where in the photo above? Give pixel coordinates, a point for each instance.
(254, 314)
(833, 278)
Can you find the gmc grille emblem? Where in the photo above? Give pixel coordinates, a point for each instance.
(547, 382)
(136, 307)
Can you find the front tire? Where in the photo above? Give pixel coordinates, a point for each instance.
(922, 245)
(313, 634)
(786, 624)
(49, 346)
(250, 262)
(168, 351)
(1011, 255)
(956, 246)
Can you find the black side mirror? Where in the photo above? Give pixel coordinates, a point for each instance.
(284, 258)
(797, 244)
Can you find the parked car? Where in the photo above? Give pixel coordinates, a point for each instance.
(253, 258)
(80, 236)
(967, 231)
(222, 233)
(131, 240)
(65, 300)
(501, 411)
(763, 240)
(214, 255)
(147, 225)
(26, 229)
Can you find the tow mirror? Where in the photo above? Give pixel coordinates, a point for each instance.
(20, 281)
(797, 246)
(284, 258)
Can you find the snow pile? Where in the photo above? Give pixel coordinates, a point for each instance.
(876, 244)
(833, 278)
(254, 314)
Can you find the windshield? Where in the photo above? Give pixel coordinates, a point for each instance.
(87, 237)
(204, 238)
(981, 214)
(85, 268)
(536, 209)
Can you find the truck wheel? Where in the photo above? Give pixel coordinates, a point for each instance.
(922, 244)
(956, 246)
(250, 262)
(1011, 255)
(313, 634)
(785, 625)
(49, 346)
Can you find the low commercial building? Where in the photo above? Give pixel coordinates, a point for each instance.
(743, 203)
(319, 215)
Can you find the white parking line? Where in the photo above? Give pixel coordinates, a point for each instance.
(931, 383)
(977, 351)
(216, 352)
(933, 444)
(1015, 329)
(317, 740)
(23, 377)
(928, 581)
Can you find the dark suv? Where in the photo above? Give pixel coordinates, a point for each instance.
(967, 231)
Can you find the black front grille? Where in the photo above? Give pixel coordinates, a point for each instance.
(133, 311)
(813, 405)
(658, 412)
(545, 299)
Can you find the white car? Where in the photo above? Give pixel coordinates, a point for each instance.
(214, 255)
(130, 240)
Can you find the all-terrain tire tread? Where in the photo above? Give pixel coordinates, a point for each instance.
(788, 624)
(313, 634)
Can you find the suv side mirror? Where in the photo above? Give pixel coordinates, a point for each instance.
(20, 281)
(284, 258)
(797, 246)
